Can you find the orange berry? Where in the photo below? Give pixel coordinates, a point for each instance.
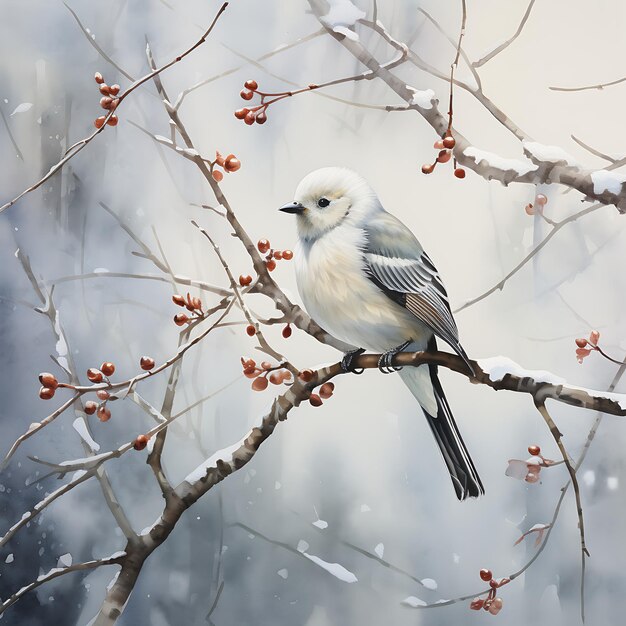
(287, 331)
(180, 319)
(244, 281)
(485, 574)
(534, 450)
(146, 363)
(48, 380)
(232, 163)
(315, 400)
(287, 255)
(252, 85)
(427, 169)
(107, 368)
(459, 172)
(251, 330)
(271, 265)
(241, 113)
(449, 143)
(326, 390)
(217, 176)
(259, 384)
(99, 121)
(113, 120)
(98, 78)
(103, 394)
(94, 375)
(140, 442)
(278, 255)
(45, 393)
(90, 407)
(104, 415)
(263, 245)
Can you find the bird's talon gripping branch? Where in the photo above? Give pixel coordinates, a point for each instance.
(346, 362)
(384, 363)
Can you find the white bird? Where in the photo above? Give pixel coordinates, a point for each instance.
(365, 278)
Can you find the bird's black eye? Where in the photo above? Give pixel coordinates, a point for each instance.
(323, 202)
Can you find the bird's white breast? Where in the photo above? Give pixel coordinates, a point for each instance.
(340, 297)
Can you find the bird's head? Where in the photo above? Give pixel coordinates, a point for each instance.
(328, 197)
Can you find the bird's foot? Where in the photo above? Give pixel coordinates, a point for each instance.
(384, 363)
(346, 362)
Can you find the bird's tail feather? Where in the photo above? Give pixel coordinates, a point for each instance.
(423, 382)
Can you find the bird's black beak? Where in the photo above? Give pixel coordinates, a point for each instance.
(292, 207)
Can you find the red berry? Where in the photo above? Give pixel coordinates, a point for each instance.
(534, 450)
(245, 94)
(326, 390)
(259, 384)
(241, 113)
(287, 255)
(315, 400)
(263, 245)
(261, 117)
(244, 281)
(105, 89)
(493, 584)
(45, 393)
(107, 368)
(449, 143)
(594, 337)
(306, 375)
(249, 119)
(232, 163)
(266, 365)
(530, 209)
(486, 575)
(459, 172)
(251, 372)
(271, 265)
(98, 78)
(252, 85)
(276, 378)
(94, 375)
(106, 102)
(251, 330)
(140, 442)
(113, 120)
(99, 121)
(48, 380)
(580, 342)
(104, 415)
(287, 331)
(103, 394)
(146, 363)
(90, 407)
(217, 176)
(427, 169)
(180, 319)
(444, 156)
(438, 145)
(278, 255)
(477, 604)
(114, 89)
(541, 199)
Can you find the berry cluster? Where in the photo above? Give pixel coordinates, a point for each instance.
(98, 376)
(194, 305)
(255, 114)
(108, 102)
(587, 346)
(325, 391)
(444, 145)
(537, 208)
(229, 164)
(491, 604)
(271, 256)
(261, 375)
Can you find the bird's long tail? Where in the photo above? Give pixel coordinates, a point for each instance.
(424, 384)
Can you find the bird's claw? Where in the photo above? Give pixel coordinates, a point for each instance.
(385, 360)
(346, 362)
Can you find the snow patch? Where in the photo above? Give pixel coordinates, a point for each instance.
(65, 560)
(589, 478)
(225, 455)
(337, 570)
(283, 573)
(552, 154)
(81, 428)
(380, 550)
(413, 602)
(519, 166)
(320, 523)
(341, 16)
(10, 558)
(603, 180)
(497, 367)
(612, 482)
(429, 583)
(423, 99)
(22, 108)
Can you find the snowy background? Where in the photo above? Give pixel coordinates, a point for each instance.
(362, 471)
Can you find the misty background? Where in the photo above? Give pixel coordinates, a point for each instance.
(364, 463)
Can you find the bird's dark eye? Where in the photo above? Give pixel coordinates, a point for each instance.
(323, 202)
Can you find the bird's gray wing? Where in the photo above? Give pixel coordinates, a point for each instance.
(397, 263)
